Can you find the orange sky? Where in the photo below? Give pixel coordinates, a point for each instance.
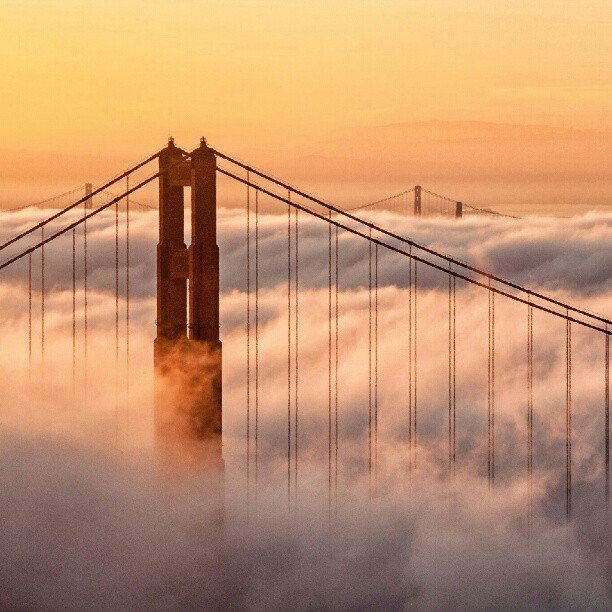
(107, 76)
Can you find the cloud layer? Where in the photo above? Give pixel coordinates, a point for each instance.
(90, 518)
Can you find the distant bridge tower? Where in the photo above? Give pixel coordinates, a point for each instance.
(188, 398)
(417, 201)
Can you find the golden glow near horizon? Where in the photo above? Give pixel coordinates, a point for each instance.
(101, 75)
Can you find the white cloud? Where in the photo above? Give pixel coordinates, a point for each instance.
(87, 523)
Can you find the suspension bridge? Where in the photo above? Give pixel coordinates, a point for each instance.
(188, 344)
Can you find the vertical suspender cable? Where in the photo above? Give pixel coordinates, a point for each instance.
(607, 416)
(370, 366)
(289, 289)
(529, 401)
(375, 367)
(530, 410)
(336, 372)
(415, 353)
(127, 299)
(295, 479)
(492, 389)
(454, 368)
(329, 365)
(30, 314)
(73, 312)
(85, 330)
(568, 419)
(248, 342)
(489, 389)
(116, 318)
(256, 339)
(450, 390)
(42, 300)
(410, 360)
(531, 398)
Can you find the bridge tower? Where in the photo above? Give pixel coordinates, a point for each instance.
(187, 349)
(417, 200)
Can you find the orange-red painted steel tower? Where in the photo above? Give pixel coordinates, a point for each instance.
(188, 401)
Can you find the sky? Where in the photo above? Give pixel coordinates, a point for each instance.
(116, 76)
(500, 105)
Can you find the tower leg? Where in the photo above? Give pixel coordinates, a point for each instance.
(204, 294)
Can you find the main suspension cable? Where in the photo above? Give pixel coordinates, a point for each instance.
(492, 290)
(87, 216)
(475, 208)
(83, 200)
(54, 198)
(81, 220)
(381, 201)
(407, 241)
(430, 264)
